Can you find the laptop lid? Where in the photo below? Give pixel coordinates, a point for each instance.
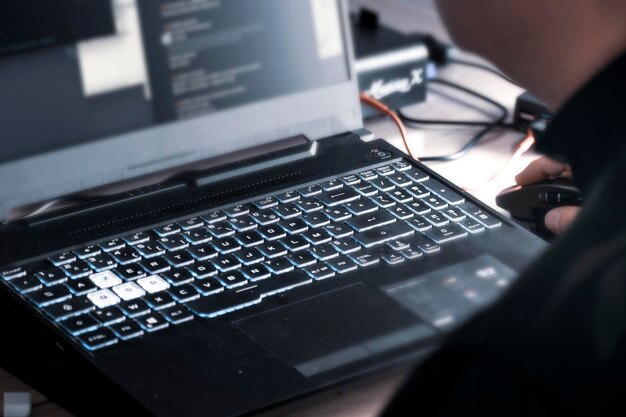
(103, 91)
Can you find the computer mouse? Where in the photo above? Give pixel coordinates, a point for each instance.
(529, 204)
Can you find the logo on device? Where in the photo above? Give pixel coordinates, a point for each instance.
(381, 89)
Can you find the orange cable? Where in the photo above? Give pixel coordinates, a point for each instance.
(381, 107)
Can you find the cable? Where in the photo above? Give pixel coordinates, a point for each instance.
(381, 107)
(468, 91)
(465, 149)
(484, 68)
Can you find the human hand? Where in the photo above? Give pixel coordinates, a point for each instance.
(559, 219)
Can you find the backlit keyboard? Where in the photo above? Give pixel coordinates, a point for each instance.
(223, 261)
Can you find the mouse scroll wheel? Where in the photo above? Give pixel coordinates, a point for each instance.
(560, 198)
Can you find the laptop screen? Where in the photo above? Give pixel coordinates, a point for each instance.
(73, 72)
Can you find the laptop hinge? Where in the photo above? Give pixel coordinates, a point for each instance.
(293, 150)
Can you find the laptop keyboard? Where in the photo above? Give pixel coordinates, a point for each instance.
(227, 260)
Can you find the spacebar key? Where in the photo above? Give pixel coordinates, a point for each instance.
(225, 302)
(384, 234)
(282, 283)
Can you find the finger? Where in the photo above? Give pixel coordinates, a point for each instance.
(560, 219)
(542, 169)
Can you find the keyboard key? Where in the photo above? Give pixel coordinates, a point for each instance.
(47, 296)
(324, 252)
(337, 214)
(155, 265)
(436, 219)
(173, 243)
(226, 263)
(179, 259)
(411, 253)
(272, 250)
(223, 303)
(435, 202)
(265, 203)
(265, 217)
(226, 245)
(331, 185)
(401, 212)
(237, 211)
(177, 314)
(79, 325)
(341, 264)
(454, 214)
(400, 180)
(310, 190)
(102, 262)
(26, 284)
(272, 232)
(282, 283)
(153, 284)
(365, 259)
(368, 175)
(135, 308)
(232, 279)
(197, 236)
(278, 265)
(243, 223)
(366, 189)
(402, 165)
(127, 330)
(136, 238)
(152, 322)
(81, 286)
(337, 197)
(287, 211)
(346, 245)
(215, 217)
(12, 273)
(130, 272)
(256, 272)
(316, 220)
(419, 223)
(392, 257)
(447, 233)
(301, 259)
(177, 277)
(339, 230)
(416, 175)
(160, 301)
(184, 293)
(208, 286)
(191, 224)
(487, 220)
(351, 179)
(294, 226)
(385, 171)
(77, 269)
(112, 245)
(371, 220)
(288, 197)
(309, 205)
(383, 200)
(398, 244)
(317, 237)
(110, 315)
(87, 252)
(203, 252)
(69, 308)
(444, 192)
(128, 291)
(249, 239)
(249, 256)
(167, 230)
(125, 256)
(62, 259)
(98, 339)
(360, 207)
(383, 184)
(202, 270)
(418, 191)
(149, 250)
(106, 279)
(383, 234)
(319, 272)
(472, 225)
(221, 229)
(103, 298)
(424, 244)
(295, 243)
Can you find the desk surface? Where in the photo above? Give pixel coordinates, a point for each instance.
(366, 398)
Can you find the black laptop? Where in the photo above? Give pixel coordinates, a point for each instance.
(193, 223)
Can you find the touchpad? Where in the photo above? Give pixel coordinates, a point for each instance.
(334, 329)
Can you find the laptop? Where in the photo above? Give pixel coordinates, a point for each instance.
(219, 238)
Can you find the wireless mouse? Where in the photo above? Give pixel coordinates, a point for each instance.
(529, 204)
